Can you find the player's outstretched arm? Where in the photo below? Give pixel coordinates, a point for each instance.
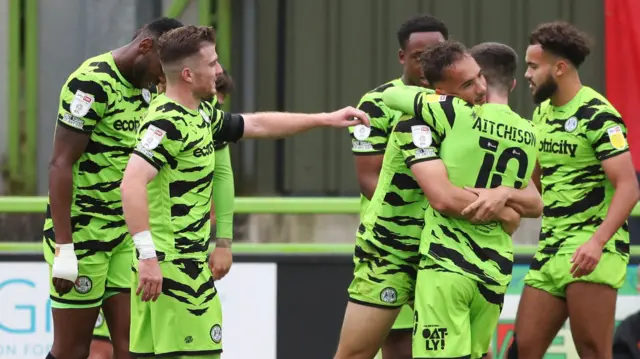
(402, 99)
(282, 124)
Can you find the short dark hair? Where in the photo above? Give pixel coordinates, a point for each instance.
(438, 57)
(158, 27)
(185, 41)
(562, 39)
(224, 83)
(498, 63)
(420, 23)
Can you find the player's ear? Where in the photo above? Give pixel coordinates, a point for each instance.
(401, 58)
(561, 67)
(145, 45)
(513, 85)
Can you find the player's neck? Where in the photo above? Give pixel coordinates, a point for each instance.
(407, 81)
(568, 88)
(123, 58)
(183, 96)
(496, 97)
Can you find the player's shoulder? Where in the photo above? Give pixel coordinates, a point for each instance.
(100, 69)
(539, 111)
(374, 97)
(595, 105)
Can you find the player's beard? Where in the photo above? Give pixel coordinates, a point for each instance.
(545, 90)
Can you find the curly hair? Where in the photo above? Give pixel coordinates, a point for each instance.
(420, 23)
(562, 39)
(438, 57)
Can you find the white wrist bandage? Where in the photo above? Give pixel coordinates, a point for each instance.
(65, 263)
(144, 245)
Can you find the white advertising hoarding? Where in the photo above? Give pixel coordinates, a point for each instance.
(248, 295)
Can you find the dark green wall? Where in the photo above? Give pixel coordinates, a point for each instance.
(336, 50)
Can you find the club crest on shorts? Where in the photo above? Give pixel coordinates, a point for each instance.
(99, 321)
(216, 333)
(421, 136)
(83, 285)
(81, 104)
(571, 124)
(361, 132)
(389, 295)
(146, 95)
(616, 137)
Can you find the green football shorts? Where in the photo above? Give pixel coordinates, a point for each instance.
(101, 274)
(554, 274)
(101, 331)
(185, 320)
(455, 316)
(404, 320)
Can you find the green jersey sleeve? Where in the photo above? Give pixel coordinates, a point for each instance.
(436, 111)
(607, 134)
(159, 142)
(372, 140)
(415, 140)
(83, 102)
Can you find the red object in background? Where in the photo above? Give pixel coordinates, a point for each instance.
(622, 66)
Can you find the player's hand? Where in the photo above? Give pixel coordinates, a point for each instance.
(150, 284)
(347, 117)
(221, 259)
(586, 258)
(64, 271)
(488, 205)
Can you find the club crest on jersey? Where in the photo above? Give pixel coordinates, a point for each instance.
(361, 132)
(216, 333)
(421, 135)
(146, 95)
(83, 285)
(389, 295)
(616, 138)
(205, 116)
(571, 124)
(152, 138)
(81, 104)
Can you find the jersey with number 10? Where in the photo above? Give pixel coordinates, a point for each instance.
(483, 147)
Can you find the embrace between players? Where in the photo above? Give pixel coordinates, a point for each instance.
(467, 167)
(447, 170)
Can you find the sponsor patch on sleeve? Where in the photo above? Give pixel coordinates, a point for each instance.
(435, 98)
(421, 136)
(81, 103)
(72, 121)
(616, 137)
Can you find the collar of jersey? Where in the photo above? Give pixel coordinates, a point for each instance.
(112, 61)
(168, 99)
(569, 105)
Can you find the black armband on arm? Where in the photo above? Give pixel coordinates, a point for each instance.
(232, 128)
